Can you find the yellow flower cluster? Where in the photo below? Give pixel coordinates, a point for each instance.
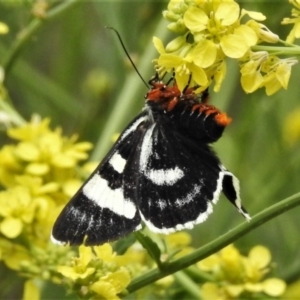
(240, 277)
(39, 172)
(211, 31)
(295, 32)
(96, 273)
(39, 176)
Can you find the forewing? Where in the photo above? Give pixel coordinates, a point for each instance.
(179, 180)
(104, 209)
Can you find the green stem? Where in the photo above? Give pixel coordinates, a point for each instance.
(202, 276)
(279, 50)
(215, 245)
(288, 44)
(30, 30)
(189, 285)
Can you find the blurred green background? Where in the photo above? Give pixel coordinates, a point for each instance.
(74, 71)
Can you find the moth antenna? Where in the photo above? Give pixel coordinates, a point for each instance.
(127, 54)
(172, 78)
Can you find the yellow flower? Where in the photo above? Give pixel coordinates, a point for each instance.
(291, 128)
(262, 32)
(257, 262)
(178, 239)
(80, 269)
(98, 273)
(211, 291)
(251, 77)
(178, 244)
(295, 32)
(209, 33)
(3, 28)
(278, 73)
(183, 66)
(105, 252)
(40, 152)
(258, 69)
(13, 254)
(112, 284)
(16, 209)
(237, 275)
(31, 291)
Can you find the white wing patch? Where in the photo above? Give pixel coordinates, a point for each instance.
(160, 176)
(164, 177)
(57, 242)
(117, 162)
(97, 190)
(238, 202)
(189, 197)
(218, 190)
(133, 127)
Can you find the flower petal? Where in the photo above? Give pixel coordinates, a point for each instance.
(251, 82)
(227, 13)
(199, 76)
(169, 61)
(204, 54)
(11, 227)
(260, 256)
(258, 16)
(234, 46)
(283, 74)
(31, 291)
(274, 287)
(248, 34)
(195, 19)
(158, 44)
(105, 289)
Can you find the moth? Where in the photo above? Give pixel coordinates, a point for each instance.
(161, 172)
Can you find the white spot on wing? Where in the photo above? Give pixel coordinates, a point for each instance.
(162, 204)
(160, 176)
(165, 177)
(117, 162)
(146, 149)
(97, 190)
(218, 190)
(133, 127)
(56, 242)
(189, 197)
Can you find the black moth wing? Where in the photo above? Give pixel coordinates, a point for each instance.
(180, 179)
(104, 208)
(180, 175)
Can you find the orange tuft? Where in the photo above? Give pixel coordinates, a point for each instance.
(223, 119)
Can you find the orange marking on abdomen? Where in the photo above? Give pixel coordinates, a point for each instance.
(196, 106)
(222, 119)
(172, 103)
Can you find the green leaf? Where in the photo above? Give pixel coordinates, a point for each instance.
(151, 247)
